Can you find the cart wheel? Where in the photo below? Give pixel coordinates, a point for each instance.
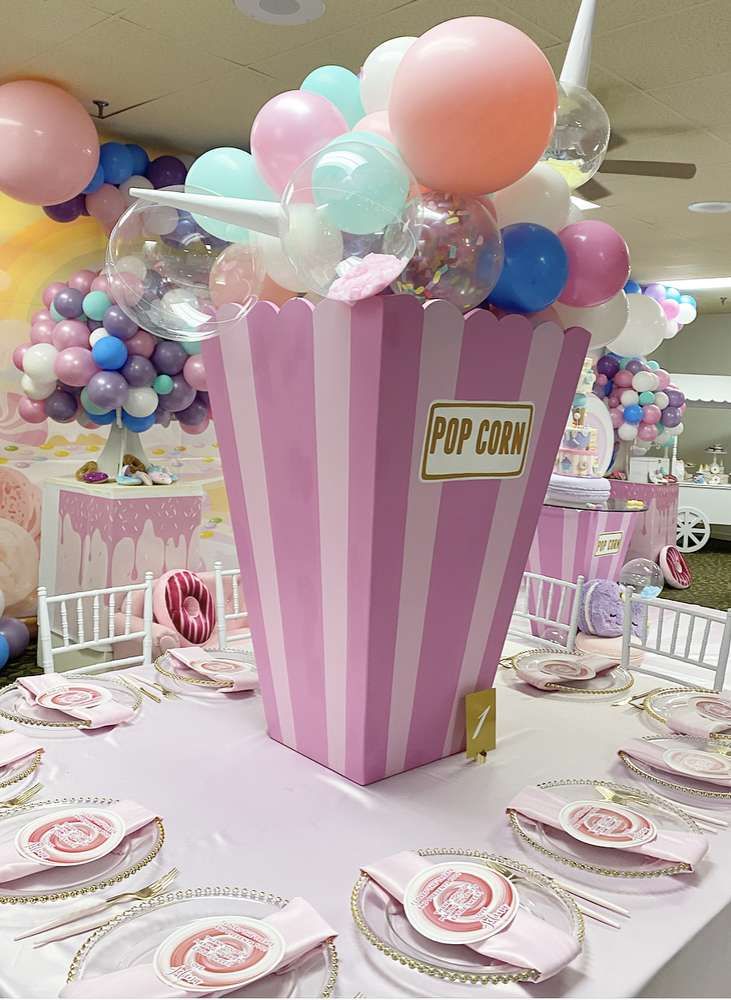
(693, 530)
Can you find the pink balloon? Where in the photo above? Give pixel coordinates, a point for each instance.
(42, 332)
(41, 314)
(651, 414)
(663, 378)
(194, 372)
(647, 432)
(613, 401)
(377, 124)
(623, 379)
(51, 291)
(195, 428)
(106, 205)
(683, 407)
(616, 416)
(125, 288)
(70, 333)
(598, 263)
(142, 343)
(670, 308)
(82, 280)
(18, 355)
(100, 284)
(32, 410)
(601, 379)
(75, 366)
(49, 149)
(289, 128)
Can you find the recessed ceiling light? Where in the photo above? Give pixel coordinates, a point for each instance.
(583, 204)
(282, 11)
(710, 207)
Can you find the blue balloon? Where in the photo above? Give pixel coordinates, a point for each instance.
(633, 413)
(110, 353)
(341, 87)
(632, 287)
(672, 293)
(102, 418)
(4, 651)
(535, 270)
(116, 162)
(140, 159)
(608, 388)
(96, 182)
(137, 423)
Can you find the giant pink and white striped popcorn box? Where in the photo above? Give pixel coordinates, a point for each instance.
(385, 466)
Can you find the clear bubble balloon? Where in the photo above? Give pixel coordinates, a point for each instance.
(579, 142)
(644, 576)
(163, 284)
(350, 219)
(459, 254)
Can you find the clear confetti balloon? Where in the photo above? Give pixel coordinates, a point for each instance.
(350, 218)
(159, 265)
(459, 254)
(581, 136)
(644, 576)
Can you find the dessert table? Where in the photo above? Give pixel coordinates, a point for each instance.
(242, 810)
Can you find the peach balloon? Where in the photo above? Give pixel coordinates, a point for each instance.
(377, 123)
(106, 205)
(272, 292)
(473, 106)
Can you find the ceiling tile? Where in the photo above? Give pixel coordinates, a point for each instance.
(707, 100)
(30, 27)
(558, 16)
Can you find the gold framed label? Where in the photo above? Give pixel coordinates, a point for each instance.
(476, 440)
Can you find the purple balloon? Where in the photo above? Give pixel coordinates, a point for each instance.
(118, 324)
(69, 303)
(163, 417)
(635, 365)
(169, 357)
(93, 324)
(194, 414)
(16, 635)
(607, 366)
(656, 291)
(166, 171)
(67, 211)
(180, 396)
(107, 390)
(675, 397)
(671, 416)
(139, 371)
(60, 406)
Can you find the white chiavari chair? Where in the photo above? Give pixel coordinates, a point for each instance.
(547, 611)
(228, 580)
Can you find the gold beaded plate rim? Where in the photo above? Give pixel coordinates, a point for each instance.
(183, 895)
(449, 975)
(25, 772)
(661, 805)
(194, 681)
(652, 695)
(83, 800)
(566, 688)
(114, 682)
(632, 765)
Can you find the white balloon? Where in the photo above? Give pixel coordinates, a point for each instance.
(379, 69)
(141, 402)
(629, 397)
(541, 196)
(313, 246)
(277, 265)
(38, 362)
(604, 322)
(135, 181)
(674, 431)
(627, 432)
(645, 328)
(662, 399)
(645, 381)
(131, 265)
(36, 389)
(687, 313)
(159, 220)
(673, 329)
(97, 335)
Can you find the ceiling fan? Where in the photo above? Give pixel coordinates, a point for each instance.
(575, 71)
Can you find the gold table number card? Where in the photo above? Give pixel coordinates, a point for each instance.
(480, 723)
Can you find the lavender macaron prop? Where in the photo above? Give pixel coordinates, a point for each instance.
(601, 611)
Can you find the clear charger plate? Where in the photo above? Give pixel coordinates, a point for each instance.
(64, 882)
(677, 780)
(132, 938)
(382, 922)
(611, 682)
(658, 705)
(611, 861)
(15, 706)
(192, 683)
(23, 769)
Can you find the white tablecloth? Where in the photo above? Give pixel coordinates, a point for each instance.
(240, 809)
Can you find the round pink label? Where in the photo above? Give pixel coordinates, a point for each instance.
(458, 903)
(606, 824)
(70, 836)
(698, 763)
(218, 953)
(222, 666)
(717, 709)
(566, 670)
(74, 696)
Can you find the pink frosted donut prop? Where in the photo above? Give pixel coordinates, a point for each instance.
(607, 647)
(182, 601)
(674, 568)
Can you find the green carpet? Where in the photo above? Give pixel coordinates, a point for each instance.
(711, 572)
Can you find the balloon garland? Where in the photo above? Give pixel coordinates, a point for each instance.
(644, 405)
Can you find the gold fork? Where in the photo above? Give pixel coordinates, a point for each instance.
(153, 889)
(165, 692)
(22, 797)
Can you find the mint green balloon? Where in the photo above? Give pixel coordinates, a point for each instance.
(340, 87)
(647, 397)
(95, 304)
(89, 406)
(230, 172)
(191, 346)
(162, 385)
(373, 138)
(56, 314)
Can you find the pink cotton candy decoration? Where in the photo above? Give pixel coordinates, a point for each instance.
(366, 277)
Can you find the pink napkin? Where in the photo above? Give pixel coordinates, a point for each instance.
(527, 941)
(242, 676)
(701, 716)
(107, 713)
(649, 752)
(15, 746)
(14, 865)
(566, 669)
(300, 925)
(680, 846)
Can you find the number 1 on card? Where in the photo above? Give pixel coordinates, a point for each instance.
(480, 724)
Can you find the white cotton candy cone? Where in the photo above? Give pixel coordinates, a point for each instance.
(578, 57)
(260, 216)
